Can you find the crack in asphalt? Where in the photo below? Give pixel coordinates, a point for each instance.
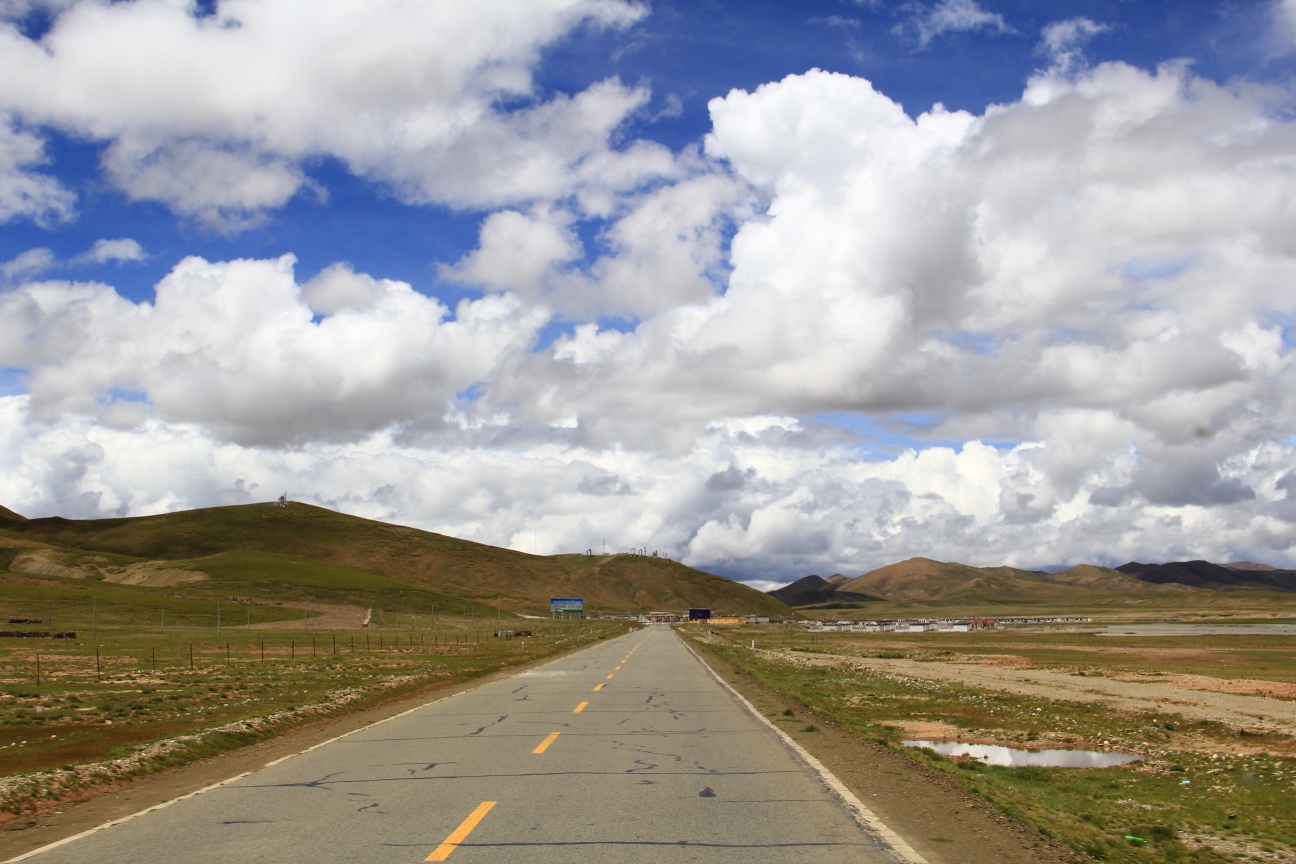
(481, 729)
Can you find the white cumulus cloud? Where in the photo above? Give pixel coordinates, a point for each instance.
(24, 191)
(216, 115)
(122, 249)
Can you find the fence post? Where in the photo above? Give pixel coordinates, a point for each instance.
(98, 674)
(191, 668)
(37, 670)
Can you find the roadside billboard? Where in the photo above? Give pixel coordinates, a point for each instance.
(563, 606)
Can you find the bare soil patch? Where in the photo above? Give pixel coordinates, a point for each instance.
(1240, 710)
(1241, 686)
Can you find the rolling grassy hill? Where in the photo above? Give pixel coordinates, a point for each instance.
(305, 546)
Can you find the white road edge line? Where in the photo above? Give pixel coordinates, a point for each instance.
(866, 818)
(97, 828)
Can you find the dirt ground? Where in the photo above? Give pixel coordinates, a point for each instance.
(1237, 705)
(941, 822)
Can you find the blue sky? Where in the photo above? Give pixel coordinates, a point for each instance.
(876, 329)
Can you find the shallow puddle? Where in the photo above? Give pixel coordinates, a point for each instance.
(993, 754)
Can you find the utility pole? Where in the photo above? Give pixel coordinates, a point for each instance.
(218, 619)
(94, 617)
(163, 617)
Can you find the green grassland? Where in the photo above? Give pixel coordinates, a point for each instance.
(1237, 798)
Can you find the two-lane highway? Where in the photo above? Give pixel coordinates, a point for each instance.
(627, 751)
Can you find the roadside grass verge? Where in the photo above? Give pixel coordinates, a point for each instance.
(146, 705)
(1235, 805)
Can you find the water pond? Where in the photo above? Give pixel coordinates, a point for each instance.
(993, 754)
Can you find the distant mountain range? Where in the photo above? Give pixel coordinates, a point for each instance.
(922, 581)
(1217, 577)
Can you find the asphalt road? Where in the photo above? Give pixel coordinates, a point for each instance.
(628, 751)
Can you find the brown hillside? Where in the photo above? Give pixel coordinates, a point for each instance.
(912, 579)
(922, 580)
(619, 583)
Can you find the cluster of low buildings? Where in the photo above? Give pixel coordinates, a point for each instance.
(702, 615)
(902, 625)
(899, 625)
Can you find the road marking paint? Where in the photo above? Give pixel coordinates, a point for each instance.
(579, 708)
(544, 745)
(461, 833)
(609, 676)
(618, 669)
(863, 816)
(598, 687)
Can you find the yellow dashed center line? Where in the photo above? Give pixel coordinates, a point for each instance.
(609, 676)
(461, 833)
(579, 708)
(544, 745)
(598, 687)
(617, 669)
